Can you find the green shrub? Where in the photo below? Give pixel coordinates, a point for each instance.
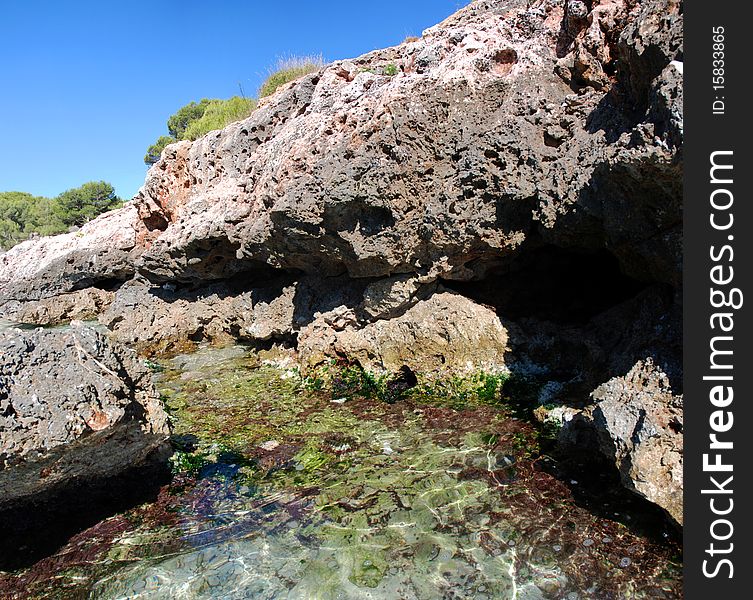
(219, 114)
(391, 70)
(185, 115)
(196, 119)
(288, 69)
(76, 206)
(155, 150)
(22, 214)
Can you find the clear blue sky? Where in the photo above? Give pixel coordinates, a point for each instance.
(88, 86)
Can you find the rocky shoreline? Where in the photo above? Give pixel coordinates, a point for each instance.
(342, 484)
(509, 201)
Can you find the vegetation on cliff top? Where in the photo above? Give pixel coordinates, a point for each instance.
(23, 214)
(288, 69)
(196, 119)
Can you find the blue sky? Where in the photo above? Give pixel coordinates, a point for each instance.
(88, 86)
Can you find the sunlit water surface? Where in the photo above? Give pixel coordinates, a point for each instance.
(294, 494)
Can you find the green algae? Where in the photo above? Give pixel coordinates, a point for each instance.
(323, 488)
(402, 498)
(348, 380)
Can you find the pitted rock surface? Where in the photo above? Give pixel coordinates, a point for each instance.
(331, 216)
(57, 386)
(639, 423)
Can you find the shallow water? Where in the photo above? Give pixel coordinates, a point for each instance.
(289, 493)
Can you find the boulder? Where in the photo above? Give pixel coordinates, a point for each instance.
(172, 318)
(58, 386)
(474, 146)
(503, 127)
(336, 215)
(82, 434)
(444, 334)
(639, 425)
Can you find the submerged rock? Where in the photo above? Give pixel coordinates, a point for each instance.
(294, 497)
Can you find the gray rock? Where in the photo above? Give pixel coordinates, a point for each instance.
(169, 318)
(79, 305)
(57, 386)
(443, 168)
(83, 434)
(392, 296)
(639, 425)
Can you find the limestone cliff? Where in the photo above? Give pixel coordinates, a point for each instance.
(525, 159)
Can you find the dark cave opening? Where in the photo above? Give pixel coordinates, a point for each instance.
(576, 316)
(551, 283)
(107, 284)
(578, 319)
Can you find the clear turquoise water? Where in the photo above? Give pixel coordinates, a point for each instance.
(287, 494)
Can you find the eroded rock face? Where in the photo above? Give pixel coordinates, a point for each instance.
(169, 318)
(445, 333)
(506, 126)
(101, 252)
(336, 214)
(57, 386)
(82, 304)
(639, 425)
(446, 166)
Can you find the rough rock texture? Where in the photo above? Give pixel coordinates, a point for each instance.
(636, 422)
(639, 424)
(44, 502)
(82, 434)
(480, 142)
(387, 298)
(81, 304)
(526, 155)
(169, 317)
(445, 333)
(445, 167)
(101, 252)
(57, 386)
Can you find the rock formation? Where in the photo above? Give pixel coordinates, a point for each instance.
(58, 386)
(525, 155)
(81, 429)
(445, 332)
(639, 422)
